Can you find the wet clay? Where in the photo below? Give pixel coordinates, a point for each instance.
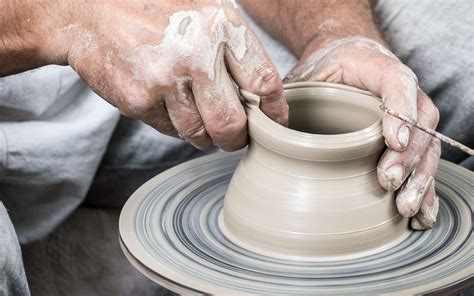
(300, 211)
(311, 190)
(170, 231)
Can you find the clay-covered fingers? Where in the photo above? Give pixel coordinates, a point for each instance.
(185, 117)
(176, 75)
(399, 88)
(417, 196)
(253, 71)
(426, 216)
(394, 166)
(221, 110)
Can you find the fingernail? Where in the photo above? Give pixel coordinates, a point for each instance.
(416, 225)
(427, 215)
(404, 135)
(394, 176)
(410, 201)
(263, 79)
(430, 212)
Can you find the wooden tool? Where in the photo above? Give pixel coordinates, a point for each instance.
(433, 133)
(247, 95)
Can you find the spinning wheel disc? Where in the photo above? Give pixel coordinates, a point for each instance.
(170, 231)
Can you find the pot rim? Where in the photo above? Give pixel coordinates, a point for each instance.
(309, 146)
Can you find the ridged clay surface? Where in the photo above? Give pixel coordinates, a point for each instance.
(310, 191)
(309, 218)
(170, 231)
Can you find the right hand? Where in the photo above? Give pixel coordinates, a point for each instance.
(412, 155)
(170, 64)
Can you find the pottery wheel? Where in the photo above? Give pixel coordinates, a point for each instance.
(170, 231)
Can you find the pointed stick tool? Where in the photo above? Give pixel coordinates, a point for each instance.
(434, 133)
(254, 98)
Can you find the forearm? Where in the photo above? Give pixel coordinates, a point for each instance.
(299, 23)
(26, 34)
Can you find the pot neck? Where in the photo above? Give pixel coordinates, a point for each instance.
(314, 147)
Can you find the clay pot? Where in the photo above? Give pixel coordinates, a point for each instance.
(311, 190)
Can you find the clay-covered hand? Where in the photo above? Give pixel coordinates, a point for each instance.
(172, 65)
(411, 154)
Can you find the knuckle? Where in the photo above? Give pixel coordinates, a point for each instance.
(396, 71)
(138, 105)
(266, 81)
(194, 132)
(431, 113)
(434, 115)
(388, 63)
(226, 129)
(401, 69)
(409, 73)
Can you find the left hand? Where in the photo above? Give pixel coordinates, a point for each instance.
(367, 64)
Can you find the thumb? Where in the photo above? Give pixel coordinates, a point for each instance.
(254, 71)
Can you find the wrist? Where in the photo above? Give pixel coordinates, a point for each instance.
(336, 19)
(29, 35)
(323, 41)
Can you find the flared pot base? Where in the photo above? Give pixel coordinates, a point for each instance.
(169, 230)
(320, 247)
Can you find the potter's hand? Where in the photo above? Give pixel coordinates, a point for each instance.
(412, 154)
(167, 63)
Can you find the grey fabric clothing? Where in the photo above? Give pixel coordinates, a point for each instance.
(53, 268)
(54, 130)
(12, 275)
(435, 39)
(135, 153)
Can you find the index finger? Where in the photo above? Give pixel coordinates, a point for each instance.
(399, 88)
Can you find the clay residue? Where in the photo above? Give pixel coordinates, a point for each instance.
(313, 63)
(393, 177)
(409, 202)
(329, 25)
(191, 41)
(403, 135)
(183, 25)
(83, 40)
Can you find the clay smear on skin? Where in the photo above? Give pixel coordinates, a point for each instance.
(430, 211)
(191, 41)
(317, 64)
(393, 177)
(409, 82)
(410, 202)
(340, 44)
(222, 2)
(88, 39)
(328, 25)
(395, 174)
